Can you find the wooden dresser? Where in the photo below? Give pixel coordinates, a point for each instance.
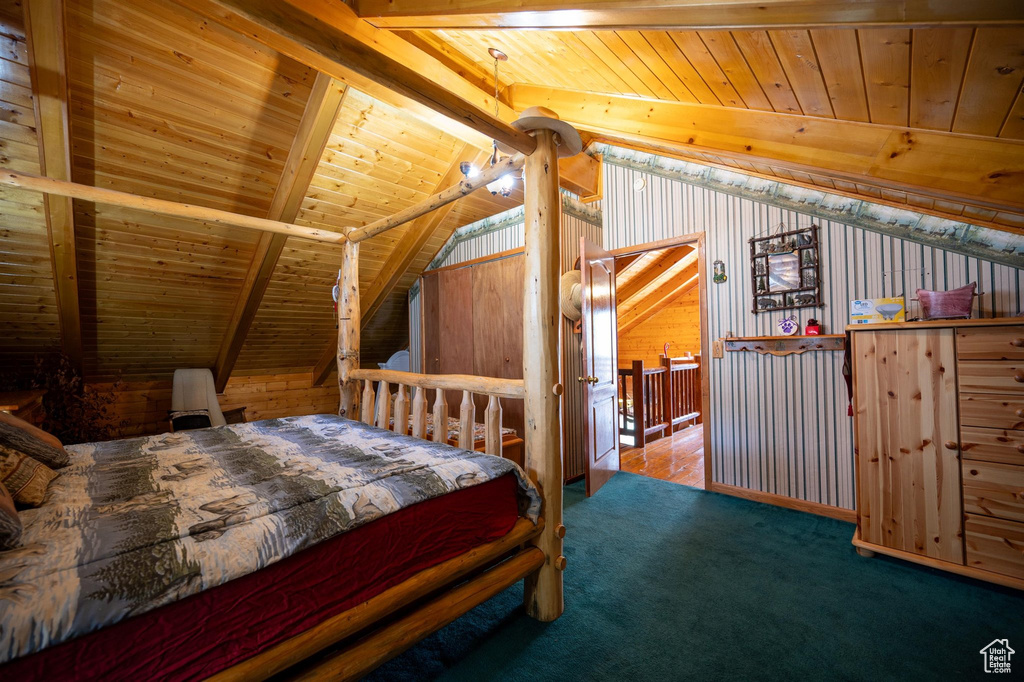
(939, 433)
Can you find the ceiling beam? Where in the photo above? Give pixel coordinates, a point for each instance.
(662, 266)
(327, 363)
(325, 101)
(680, 14)
(658, 299)
(327, 36)
(47, 58)
(985, 171)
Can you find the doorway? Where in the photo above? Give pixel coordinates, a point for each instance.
(662, 347)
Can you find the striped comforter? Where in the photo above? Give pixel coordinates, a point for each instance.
(135, 524)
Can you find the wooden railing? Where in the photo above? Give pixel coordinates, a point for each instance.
(682, 392)
(377, 407)
(657, 401)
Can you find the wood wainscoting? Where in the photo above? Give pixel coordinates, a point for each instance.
(143, 405)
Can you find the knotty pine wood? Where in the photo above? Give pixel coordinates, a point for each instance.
(994, 489)
(908, 493)
(678, 325)
(994, 545)
(144, 404)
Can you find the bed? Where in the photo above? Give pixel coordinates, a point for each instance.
(226, 530)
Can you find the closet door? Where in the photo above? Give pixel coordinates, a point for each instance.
(908, 456)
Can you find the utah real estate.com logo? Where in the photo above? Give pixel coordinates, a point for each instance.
(997, 656)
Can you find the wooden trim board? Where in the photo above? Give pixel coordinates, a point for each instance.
(818, 508)
(976, 573)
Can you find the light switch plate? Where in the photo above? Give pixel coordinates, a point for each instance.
(717, 348)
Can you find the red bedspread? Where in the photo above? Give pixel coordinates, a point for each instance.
(210, 631)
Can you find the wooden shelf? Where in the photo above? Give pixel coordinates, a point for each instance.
(17, 401)
(786, 345)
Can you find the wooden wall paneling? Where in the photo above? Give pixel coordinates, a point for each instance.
(796, 54)
(322, 108)
(938, 61)
(885, 53)
(48, 62)
(28, 306)
(839, 57)
(677, 324)
(430, 295)
(992, 81)
(455, 327)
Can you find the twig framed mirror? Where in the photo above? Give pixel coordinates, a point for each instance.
(785, 270)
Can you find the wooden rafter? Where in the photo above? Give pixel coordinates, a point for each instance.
(679, 14)
(47, 56)
(330, 38)
(661, 267)
(656, 300)
(325, 101)
(937, 164)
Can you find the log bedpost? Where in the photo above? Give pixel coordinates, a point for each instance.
(348, 329)
(542, 594)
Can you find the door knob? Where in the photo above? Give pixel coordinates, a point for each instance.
(580, 379)
(594, 380)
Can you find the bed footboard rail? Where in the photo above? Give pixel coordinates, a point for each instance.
(387, 410)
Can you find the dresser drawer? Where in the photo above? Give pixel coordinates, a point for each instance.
(991, 343)
(992, 489)
(992, 411)
(995, 545)
(993, 376)
(992, 445)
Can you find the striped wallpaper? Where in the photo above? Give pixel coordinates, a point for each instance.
(780, 424)
(574, 224)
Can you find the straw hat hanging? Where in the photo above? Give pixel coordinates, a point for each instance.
(570, 295)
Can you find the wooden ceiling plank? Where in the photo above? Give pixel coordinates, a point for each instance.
(796, 54)
(574, 43)
(330, 38)
(680, 64)
(47, 56)
(725, 51)
(1013, 129)
(315, 127)
(885, 53)
(635, 85)
(653, 61)
(635, 63)
(757, 48)
(657, 299)
(661, 266)
(992, 81)
(938, 63)
(681, 14)
(839, 55)
(943, 165)
(690, 43)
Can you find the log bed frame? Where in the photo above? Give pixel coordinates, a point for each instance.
(356, 641)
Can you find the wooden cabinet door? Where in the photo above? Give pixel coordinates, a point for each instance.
(908, 466)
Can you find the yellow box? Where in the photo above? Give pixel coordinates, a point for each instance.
(878, 310)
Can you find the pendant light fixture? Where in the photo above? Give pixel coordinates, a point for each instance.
(505, 183)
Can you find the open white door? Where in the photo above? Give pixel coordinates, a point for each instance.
(600, 337)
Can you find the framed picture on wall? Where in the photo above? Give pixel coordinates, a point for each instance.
(785, 270)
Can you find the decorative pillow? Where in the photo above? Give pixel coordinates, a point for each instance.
(185, 420)
(21, 436)
(25, 478)
(10, 522)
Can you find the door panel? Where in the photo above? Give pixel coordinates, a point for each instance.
(908, 456)
(599, 332)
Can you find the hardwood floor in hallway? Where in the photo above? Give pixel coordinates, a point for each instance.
(678, 458)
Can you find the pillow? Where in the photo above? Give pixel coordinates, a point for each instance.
(19, 435)
(10, 522)
(185, 420)
(25, 478)
(938, 305)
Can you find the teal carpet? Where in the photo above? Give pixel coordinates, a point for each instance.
(666, 582)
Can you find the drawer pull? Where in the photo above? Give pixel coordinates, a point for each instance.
(1018, 376)
(952, 445)
(1020, 412)
(1018, 342)
(1020, 448)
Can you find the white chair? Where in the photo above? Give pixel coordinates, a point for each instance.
(194, 389)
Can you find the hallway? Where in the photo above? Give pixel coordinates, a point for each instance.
(678, 458)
